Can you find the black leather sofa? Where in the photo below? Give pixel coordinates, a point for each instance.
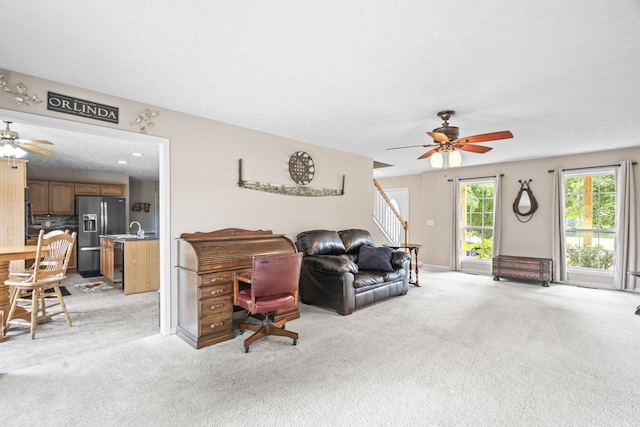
(344, 270)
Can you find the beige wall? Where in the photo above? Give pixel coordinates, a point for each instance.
(204, 194)
(144, 192)
(204, 169)
(431, 199)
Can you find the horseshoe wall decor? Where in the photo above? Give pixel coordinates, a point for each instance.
(525, 204)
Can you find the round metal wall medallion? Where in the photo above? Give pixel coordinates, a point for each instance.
(301, 168)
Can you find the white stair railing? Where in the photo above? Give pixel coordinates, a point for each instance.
(388, 219)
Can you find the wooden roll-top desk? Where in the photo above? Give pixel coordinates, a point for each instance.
(207, 265)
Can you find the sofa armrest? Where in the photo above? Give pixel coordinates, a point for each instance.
(398, 258)
(333, 264)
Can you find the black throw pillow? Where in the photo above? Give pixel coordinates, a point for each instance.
(372, 258)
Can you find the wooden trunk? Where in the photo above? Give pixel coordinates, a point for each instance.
(517, 267)
(207, 265)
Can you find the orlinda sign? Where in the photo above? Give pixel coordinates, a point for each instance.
(80, 107)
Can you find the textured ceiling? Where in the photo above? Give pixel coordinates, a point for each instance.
(79, 151)
(359, 76)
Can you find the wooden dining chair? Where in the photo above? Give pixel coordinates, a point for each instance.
(40, 284)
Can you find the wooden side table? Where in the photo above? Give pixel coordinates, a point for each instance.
(413, 249)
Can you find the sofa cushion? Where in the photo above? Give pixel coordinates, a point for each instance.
(320, 242)
(336, 264)
(372, 258)
(365, 279)
(354, 238)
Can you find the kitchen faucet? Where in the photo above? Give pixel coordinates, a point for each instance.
(140, 232)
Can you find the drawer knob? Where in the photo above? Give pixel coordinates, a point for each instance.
(215, 306)
(216, 325)
(216, 291)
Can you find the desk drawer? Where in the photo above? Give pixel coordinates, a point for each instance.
(214, 278)
(216, 315)
(210, 307)
(215, 291)
(245, 274)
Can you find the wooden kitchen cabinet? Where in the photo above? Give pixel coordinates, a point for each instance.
(141, 263)
(87, 189)
(51, 197)
(38, 196)
(73, 261)
(114, 190)
(141, 266)
(106, 258)
(12, 185)
(92, 189)
(61, 198)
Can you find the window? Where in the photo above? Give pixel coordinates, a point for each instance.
(590, 213)
(476, 219)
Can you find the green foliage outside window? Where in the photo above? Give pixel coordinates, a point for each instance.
(477, 222)
(589, 257)
(590, 211)
(483, 250)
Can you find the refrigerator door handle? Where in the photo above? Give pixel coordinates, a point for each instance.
(90, 248)
(105, 219)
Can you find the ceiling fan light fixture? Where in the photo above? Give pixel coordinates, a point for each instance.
(437, 161)
(9, 150)
(455, 159)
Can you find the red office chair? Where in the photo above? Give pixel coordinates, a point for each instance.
(274, 286)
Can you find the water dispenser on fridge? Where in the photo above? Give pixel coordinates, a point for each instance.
(89, 223)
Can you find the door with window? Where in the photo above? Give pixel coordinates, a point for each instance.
(477, 199)
(590, 220)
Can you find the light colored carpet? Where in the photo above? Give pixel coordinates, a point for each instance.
(100, 318)
(462, 350)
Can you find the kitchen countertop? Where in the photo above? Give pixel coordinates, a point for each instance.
(130, 237)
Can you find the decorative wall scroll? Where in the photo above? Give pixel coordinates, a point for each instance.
(525, 204)
(144, 120)
(287, 189)
(20, 95)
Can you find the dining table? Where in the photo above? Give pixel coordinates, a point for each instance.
(8, 254)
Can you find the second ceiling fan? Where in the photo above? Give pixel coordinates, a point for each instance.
(446, 139)
(11, 144)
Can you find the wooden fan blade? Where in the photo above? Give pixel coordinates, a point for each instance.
(484, 137)
(428, 153)
(474, 148)
(437, 136)
(34, 141)
(413, 146)
(36, 149)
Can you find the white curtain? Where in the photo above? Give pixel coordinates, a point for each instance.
(558, 244)
(625, 246)
(497, 217)
(456, 241)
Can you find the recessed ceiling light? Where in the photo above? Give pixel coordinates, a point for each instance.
(122, 162)
(137, 154)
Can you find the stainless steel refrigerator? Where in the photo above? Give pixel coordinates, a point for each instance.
(97, 215)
